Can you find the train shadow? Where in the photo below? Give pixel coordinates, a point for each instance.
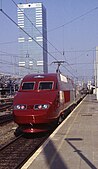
(53, 157)
(79, 152)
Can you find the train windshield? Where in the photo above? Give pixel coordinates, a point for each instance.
(28, 86)
(45, 85)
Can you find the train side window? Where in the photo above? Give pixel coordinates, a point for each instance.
(28, 86)
(45, 85)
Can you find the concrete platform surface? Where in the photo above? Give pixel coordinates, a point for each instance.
(74, 144)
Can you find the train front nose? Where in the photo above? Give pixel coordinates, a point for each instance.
(34, 110)
(31, 113)
(35, 107)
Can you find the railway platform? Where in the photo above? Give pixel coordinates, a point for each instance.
(74, 144)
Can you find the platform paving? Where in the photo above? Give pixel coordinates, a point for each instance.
(74, 144)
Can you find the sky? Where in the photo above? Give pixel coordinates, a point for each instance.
(72, 29)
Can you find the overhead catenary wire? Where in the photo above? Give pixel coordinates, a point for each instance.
(33, 39)
(23, 30)
(8, 63)
(41, 33)
(9, 42)
(63, 26)
(17, 56)
(36, 27)
(74, 19)
(3, 53)
(14, 56)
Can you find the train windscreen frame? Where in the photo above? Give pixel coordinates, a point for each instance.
(44, 85)
(28, 85)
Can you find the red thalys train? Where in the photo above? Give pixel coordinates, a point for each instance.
(41, 100)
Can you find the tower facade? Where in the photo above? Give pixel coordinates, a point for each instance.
(32, 38)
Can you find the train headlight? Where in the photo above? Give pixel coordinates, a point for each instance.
(17, 107)
(41, 106)
(20, 107)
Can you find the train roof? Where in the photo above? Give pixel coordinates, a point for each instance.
(40, 76)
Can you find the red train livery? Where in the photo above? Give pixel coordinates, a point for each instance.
(41, 100)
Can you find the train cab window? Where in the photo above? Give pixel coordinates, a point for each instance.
(28, 86)
(45, 85)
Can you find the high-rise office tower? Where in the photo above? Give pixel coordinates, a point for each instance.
(32, 38)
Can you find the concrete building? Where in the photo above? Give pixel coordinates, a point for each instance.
(32, 38)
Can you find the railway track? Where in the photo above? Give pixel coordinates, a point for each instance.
(5, 113)
(5, 106)
(6, 118)
(15, 154)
